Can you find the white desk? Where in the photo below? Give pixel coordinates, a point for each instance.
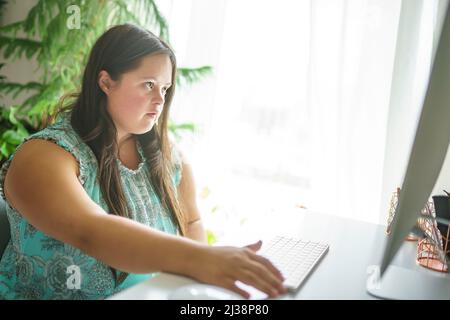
(342, 273)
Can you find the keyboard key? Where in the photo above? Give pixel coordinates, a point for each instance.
(295, 258)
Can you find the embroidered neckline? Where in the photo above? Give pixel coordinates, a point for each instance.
(65, 119)
(140, 166)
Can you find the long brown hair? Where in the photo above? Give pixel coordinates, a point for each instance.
(118, 50)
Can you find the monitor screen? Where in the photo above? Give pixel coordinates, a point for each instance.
(426, 159)
(428, 150)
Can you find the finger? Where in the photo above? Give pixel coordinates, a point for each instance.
(256, 275)
(266, 275)
(269, 265)
(252, 279)
(254, 246)
(233, 287)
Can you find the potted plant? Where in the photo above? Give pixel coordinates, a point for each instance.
(59, 34)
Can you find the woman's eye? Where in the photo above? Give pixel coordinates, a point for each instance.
(149, 85)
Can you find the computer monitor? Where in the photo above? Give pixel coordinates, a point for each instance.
(427, 155)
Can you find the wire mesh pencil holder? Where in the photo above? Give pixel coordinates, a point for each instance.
(429, 256)
(392, 207)
(433, 249)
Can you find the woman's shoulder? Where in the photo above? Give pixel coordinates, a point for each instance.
(45, 156)
(43, 150)
(60, 133)
(61, 129)
(64, 135)
(56, 141)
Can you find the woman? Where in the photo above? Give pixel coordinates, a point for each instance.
(101, 200)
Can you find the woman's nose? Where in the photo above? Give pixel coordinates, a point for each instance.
(158, 97)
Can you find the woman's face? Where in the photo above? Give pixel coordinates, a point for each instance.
(136, 100)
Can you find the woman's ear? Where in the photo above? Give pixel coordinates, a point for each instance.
(104, 81)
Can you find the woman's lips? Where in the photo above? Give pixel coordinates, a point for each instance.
(151, 114)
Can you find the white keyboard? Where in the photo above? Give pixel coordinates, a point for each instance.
(295, 258)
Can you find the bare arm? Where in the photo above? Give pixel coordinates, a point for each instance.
(47, 193)
(188, 203)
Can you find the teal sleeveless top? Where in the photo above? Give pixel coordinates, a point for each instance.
(36, 266)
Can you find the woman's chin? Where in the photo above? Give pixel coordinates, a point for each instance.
(147, 124)
(146, 129)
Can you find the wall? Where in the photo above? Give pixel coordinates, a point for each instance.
(22, 70)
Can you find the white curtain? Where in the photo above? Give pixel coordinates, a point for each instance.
(298, 110)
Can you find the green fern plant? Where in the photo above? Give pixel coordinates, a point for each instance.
(61, 54)
(13, 131)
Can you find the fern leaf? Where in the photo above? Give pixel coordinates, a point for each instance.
(12, 137)
(154, 17)
(38, 17)
(18, 46)
(16, 88)
(192, 75)
(12, 28)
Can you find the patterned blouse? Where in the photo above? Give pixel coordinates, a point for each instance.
(36, 266)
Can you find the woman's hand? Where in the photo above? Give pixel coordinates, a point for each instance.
(223, 266)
